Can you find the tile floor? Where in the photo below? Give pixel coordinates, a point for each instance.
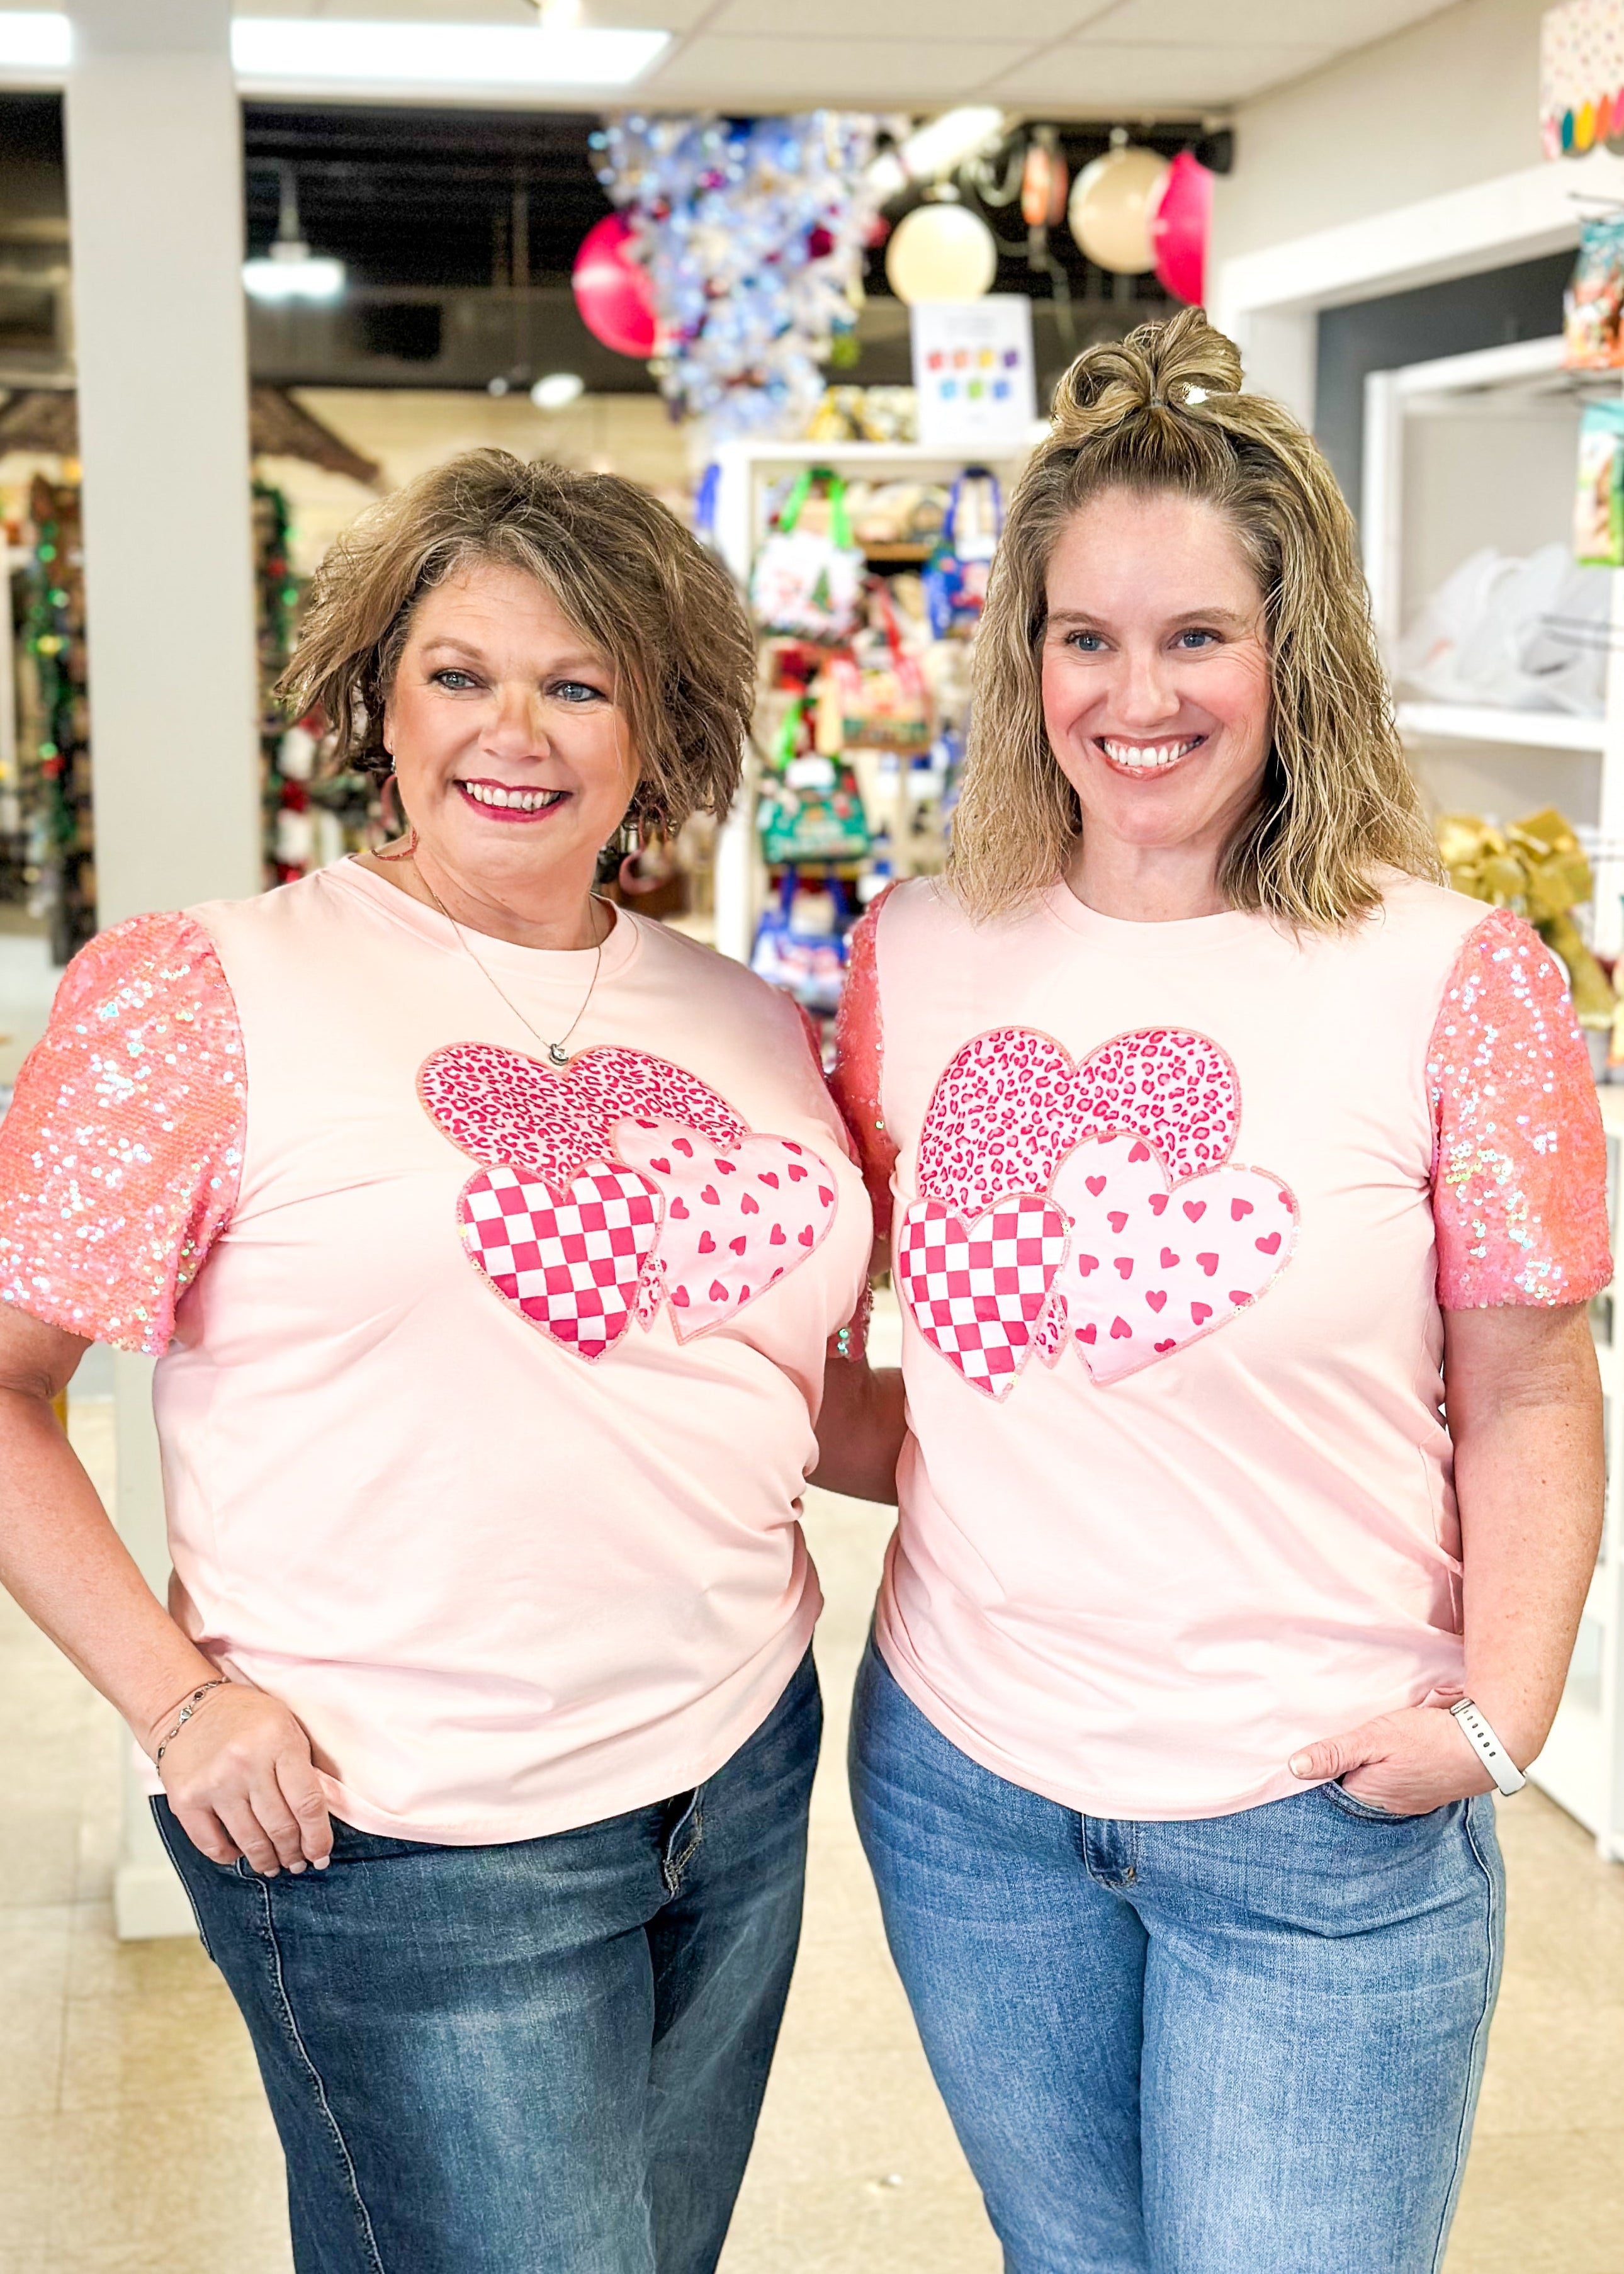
(133, 2139)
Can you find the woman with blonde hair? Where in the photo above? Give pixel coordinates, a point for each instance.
(489, 1239)
(1226, 1147)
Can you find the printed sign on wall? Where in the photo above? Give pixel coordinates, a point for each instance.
(1581, 78)
(973, 368)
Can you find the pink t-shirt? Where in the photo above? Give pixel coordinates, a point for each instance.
(486, 1393)
(1175, 1208)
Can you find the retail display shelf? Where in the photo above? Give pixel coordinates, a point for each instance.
(1471, 722)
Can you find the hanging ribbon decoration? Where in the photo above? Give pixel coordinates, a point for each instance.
(1536, 869)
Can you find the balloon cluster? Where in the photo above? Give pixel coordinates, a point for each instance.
(1132, 210)
(751, 234)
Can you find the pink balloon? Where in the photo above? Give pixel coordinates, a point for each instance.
(1179, 228)
(612, 291)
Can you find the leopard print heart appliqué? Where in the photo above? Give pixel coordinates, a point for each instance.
(1090, 1206)
(619, 1186)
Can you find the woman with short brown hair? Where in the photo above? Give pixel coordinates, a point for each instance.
(488, 1239)
(1225, 1146)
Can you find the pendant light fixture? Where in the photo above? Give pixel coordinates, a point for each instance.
(291, 271)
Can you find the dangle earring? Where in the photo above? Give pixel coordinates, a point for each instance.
(390, 815)
(629, 844)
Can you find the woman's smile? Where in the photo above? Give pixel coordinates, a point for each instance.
(1124, 756)
(512, 802)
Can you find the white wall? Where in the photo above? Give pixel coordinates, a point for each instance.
(1454, 100)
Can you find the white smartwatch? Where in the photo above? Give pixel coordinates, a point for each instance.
(1509, 1778)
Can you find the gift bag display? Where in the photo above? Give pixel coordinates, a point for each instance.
(810, 808)
(806, 959)
(961, 560)
(807, 584)
(877, 692)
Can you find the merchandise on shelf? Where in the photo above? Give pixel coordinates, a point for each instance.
(866, 414)
(864, 722)
(1519, 634)
(55, 742)
(289, 836)
(1593, 305)
(1598, 504)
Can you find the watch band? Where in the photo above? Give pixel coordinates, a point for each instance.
(1509, 1778)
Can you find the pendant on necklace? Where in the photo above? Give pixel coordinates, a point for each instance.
(557, 1054)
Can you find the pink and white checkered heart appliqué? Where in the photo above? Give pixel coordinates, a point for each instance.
(977, 1290)
(1154, 1266)
(738, 1218)
(570, 1261)
(617, 1185)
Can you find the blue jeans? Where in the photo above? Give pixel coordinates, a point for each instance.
(542, 2058)
(1244, 2044)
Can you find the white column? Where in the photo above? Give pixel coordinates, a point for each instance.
(155, 203)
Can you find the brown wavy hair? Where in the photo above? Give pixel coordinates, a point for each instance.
(1163, 410)
(662, 611)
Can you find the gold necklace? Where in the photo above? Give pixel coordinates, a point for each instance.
(557, 1054)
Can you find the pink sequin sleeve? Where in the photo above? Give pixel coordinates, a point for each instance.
(122, 1146)
(1520, 1164)
(858, 1059)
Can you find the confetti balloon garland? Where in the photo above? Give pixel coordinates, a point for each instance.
(752, 233)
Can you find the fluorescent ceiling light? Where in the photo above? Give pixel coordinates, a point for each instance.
(35, 42)
(314, 52)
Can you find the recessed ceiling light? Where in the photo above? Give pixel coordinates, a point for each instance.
(558, 390)
(33, 41)
(303, 51)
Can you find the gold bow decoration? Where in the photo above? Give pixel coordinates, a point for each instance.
(1534, 866)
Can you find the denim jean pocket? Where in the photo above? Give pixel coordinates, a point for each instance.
(1365, 1811)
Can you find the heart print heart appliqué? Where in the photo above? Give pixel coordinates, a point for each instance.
(616, 1186)
(1043, 1182)
(737, 1219)
(1152, 1266)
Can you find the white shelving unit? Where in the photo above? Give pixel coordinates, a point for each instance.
(1473, 722)
(1524, 377)
(1582, 1765)
(747, 471)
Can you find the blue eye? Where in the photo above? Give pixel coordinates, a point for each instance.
(577, 690)
(1196, 639)
(453, 680)
(1085, 643)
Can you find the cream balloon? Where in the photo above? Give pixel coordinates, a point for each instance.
(940, 252)
(1112, 202)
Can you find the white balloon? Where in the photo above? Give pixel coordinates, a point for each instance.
(1113, 201)
(940, 252)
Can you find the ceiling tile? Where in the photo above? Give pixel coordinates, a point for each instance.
(910, 20)
(1259, 23)
(797, 73)
(1096, 79)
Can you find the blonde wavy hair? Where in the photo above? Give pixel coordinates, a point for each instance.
(1163, 410)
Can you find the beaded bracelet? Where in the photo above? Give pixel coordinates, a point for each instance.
(186, 1713)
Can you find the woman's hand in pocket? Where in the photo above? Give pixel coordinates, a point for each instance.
(1409, 1762)
(241, 1782)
